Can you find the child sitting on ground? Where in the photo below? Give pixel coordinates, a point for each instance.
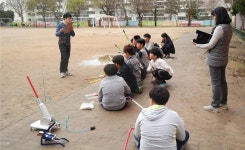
(134, 64)
(158, 127)
(159, 67)
(113, 90)
(133, 41)
(167, 45)
(148, 44)
(126, 73)
(143, 57)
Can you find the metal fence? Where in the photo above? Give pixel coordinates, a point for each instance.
(115, 23)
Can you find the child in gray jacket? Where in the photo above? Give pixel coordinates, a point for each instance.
(158, 127)
(113, 89)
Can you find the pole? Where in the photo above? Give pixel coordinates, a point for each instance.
(126, 36)
(32, 86)
(120, 51)
(137, 104)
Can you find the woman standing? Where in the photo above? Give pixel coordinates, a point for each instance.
(217, 59)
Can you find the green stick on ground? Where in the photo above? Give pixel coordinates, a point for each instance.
(120, 50)
(126, 36)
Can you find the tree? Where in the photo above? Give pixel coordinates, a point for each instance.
(106, 6)
(41, 7)
(239, 8)
(123, 6)
(57, 10)
(154, 11)
(140, 7)
(191, 11)
(171, 8)
(75, 6)
(2, 5)
(18, 6)
(9, 15)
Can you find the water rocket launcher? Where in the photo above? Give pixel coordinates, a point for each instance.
(47, 119)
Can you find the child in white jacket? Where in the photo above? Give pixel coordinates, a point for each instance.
(159, 67)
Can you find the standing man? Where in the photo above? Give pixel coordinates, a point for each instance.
(64, 31)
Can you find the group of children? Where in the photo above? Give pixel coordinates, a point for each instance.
(157, 127)
(139, 57)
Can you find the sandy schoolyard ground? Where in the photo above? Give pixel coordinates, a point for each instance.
(34, 52)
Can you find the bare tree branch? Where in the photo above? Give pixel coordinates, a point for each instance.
(140, 7)
(18, 6)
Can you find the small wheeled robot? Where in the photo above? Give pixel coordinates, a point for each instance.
(48, 138)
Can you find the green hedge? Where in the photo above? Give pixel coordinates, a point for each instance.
(240, 33)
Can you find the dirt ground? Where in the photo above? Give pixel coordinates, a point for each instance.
(34, 52)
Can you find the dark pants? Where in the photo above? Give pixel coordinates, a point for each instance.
(180, 144)
(219, 85)
(161, 75)
(166, 51)
(65, 55)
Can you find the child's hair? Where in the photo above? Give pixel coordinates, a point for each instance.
(147, 35)
(165, 35)
(129, 49)
(159, 95)
(110, 69)
(156, 51)
(141, 41)
(136, 37)
(118, 59)
(66, 15)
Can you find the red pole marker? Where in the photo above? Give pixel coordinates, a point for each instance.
(32, 86)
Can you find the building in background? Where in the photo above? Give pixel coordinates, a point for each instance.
(166, 10)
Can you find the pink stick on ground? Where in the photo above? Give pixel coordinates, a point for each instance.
(126, 143)
(32, 86)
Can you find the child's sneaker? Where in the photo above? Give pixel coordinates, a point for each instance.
(211, 109)
(223, 106)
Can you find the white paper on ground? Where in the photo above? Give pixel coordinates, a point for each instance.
(87, 105)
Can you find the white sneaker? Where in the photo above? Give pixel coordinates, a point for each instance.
(211, 109)
(68, 74)
(223, 106)
(62, 74)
